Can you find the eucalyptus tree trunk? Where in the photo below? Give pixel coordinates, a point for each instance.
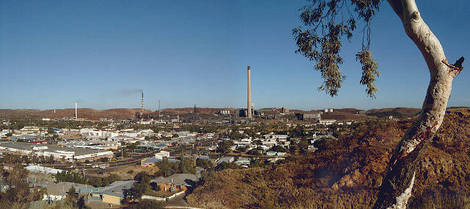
(398, 183)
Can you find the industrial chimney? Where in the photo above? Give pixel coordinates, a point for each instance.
(249, 115)
(76, 111)
(142, 107)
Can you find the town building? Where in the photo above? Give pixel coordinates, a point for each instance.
(57, 152)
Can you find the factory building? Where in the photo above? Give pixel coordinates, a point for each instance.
(308, 116)
(57, 152)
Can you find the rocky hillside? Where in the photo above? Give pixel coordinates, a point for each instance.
(86, 113)
(347, 173)
(398, 112)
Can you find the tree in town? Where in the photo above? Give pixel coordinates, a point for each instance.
(143, 177)
(72, 194)
(326, 23)
(206, 164)
(18, 190)
(186, 165)
(147, 204)
(18, 194)
(81, 203)
(224, 146)
(50, 159)
(165, 168)
(278, 148)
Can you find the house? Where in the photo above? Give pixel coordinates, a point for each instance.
(175, 182)
(243, 161)
(272, 153)
(57, 152)
(151, 162)
(160, 155)
(225, 159)
(58, 191)
(42, 169)
(113, 193)
(327, 122)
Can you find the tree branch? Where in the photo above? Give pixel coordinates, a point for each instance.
(397, 7)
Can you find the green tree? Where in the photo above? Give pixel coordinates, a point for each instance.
(277, 148)
(224, 146)
(137, 190)
(50, 159)
(206, 164)
(72, 194)
(18, 191)
(165, 168)
(143, 177)
(147, 204)
(81, 203)
(326, 23)
(186, 165)
(253, 152)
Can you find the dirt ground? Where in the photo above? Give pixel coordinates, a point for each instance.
(126, 172)
(96, 204)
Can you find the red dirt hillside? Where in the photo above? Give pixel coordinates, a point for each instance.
(347, 173)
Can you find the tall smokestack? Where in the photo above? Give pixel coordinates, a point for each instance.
(76, 111)
(249, 95)
(142, 107)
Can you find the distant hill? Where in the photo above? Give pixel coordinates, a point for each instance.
(202, 110)
(126, 113)
(399, 112)
(345, 114)
(86, 113)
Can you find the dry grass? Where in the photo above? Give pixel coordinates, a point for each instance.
(347, 173)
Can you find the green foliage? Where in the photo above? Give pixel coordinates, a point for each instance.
(253, 152)
(278, 148)
(143, 177)
(303, 146)
(147, 204)
(137, 190)
(72, 194)
(18, 193)
(187, 166)
(208, 175)
(70, 176)
(167, 168)
(206, 164)
(224, 146)
(369, 71)
(325, 24)
(141, 186)
(81, 203)
(77, 177)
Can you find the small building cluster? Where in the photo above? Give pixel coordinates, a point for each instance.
(55, 151)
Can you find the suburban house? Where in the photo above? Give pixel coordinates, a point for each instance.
(151, 162)
(228, 159)
(176, 182)
(113, 193)
(58, 191)
(160, 155)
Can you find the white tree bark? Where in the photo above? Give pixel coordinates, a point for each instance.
(398, 184)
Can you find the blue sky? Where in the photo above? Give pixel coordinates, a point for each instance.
(53, 53)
